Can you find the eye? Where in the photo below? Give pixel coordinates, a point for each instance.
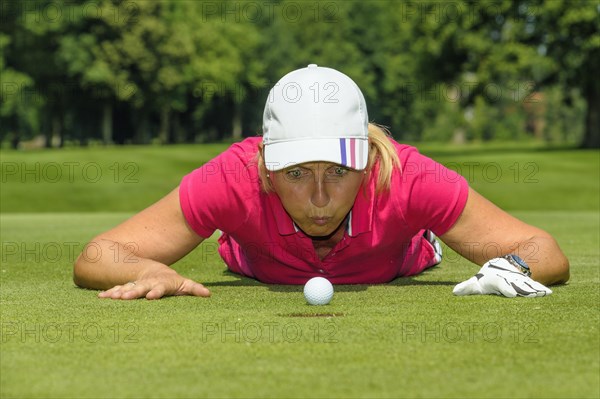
(293, 174)
(338, 171)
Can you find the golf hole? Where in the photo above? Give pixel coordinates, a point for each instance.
(313, 315)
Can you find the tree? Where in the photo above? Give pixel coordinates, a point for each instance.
(184, 70)
(18, 110)
(568, 32)
(33, 37)
(86, 51)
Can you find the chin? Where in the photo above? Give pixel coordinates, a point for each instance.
(318, 231)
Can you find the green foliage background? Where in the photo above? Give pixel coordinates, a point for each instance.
(194, 71)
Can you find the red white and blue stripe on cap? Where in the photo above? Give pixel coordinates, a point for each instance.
(351, 153)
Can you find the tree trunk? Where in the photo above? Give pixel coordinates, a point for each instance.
(107, 124)
(237, 121)
(15, 140)
(163, 133)
(178, 131)
(53, 138)
(17, 127)
(140, 118)
(61, 133)
(591, 138)
(47, 131)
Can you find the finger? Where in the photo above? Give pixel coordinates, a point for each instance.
(110, 292)
(523, 289)
(193, 288)
(138, 291)
(103, 294)
(468, 287)
(127, 291)
(156, 292)
(504, 287)
(542, 290)
(531, 288)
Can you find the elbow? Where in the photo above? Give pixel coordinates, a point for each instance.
(78, 271)
(565, 270)
(83, 273)
(559, 272)
(559, 268)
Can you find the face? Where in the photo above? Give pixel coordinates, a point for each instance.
(317, 195)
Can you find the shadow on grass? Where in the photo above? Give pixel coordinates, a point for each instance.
(241, 281)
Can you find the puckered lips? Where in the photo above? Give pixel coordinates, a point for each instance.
(321, 220)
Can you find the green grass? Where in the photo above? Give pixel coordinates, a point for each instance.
(127, 179)
(119, 179)
(409, 338)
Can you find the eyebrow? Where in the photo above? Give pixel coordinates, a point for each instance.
(329, 165)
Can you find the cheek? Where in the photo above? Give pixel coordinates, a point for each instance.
(345, 198)
(347, 192)
(292, 196)
(286, 190)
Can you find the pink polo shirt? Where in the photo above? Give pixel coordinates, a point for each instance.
(384, 235)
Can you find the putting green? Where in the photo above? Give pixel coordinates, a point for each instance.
(409, 338)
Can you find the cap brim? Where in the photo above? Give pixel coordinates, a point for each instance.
(349, 152)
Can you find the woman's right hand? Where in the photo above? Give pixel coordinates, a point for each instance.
(132, 260)
(156, 284)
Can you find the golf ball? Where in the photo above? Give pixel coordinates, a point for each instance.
(318, 291)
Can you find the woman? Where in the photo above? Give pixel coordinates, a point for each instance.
(323, 193)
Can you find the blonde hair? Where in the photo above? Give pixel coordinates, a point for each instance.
(380, 149)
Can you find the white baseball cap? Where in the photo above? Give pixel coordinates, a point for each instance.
(315, 114)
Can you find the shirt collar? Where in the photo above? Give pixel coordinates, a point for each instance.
(361, 215)
(285, 224)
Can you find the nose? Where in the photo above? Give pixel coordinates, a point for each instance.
(320, 196)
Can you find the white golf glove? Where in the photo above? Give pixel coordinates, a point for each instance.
(499, 277)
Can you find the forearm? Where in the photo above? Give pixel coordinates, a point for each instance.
(104, 264)
(541, 252)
